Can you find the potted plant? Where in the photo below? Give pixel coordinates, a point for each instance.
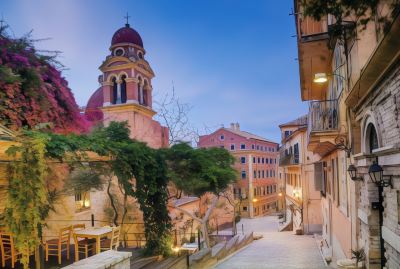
(356, 261)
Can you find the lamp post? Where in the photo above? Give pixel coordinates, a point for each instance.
(375, 172)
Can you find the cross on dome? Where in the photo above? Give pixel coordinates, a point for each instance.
(127, 19)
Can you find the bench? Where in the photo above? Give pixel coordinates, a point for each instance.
(109, 259)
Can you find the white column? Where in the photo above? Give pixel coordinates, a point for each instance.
(119, 101)
(140, 94)
(251, 194)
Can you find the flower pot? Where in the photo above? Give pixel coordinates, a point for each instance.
(348, 264)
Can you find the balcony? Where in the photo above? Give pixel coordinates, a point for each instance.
(314, 53)
(288, 158)
(309, 29)
(323, 117)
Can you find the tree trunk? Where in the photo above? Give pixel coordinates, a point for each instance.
(115, 220)
(204, 220)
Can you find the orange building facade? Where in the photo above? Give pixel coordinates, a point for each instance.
(255, 191)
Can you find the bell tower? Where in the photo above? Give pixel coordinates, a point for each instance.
(126, 90)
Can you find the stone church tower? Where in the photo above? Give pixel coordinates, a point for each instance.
(126, 90)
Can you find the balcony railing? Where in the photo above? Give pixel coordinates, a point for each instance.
(288, 158)
(310, 27)
(323, 116)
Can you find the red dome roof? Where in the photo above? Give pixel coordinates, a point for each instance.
(93, 111)
(127, 35)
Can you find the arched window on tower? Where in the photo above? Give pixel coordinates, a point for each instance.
(140, 91)
(114, 90)
(145, 94)
(123, 89)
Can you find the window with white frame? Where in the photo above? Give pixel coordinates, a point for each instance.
(232, 146)
(242, 146)
(243, 159)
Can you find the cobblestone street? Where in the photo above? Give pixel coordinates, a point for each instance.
(275, 250)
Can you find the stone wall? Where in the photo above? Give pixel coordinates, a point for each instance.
(381, 109)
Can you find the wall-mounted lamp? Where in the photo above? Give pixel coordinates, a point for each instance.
(320, 78)
(323, 77)
(375, 172)
(352, 170)
(255, 200)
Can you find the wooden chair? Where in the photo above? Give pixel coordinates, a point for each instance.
(83, 245)
(8, 251)
(55, 247)
(113, 242)
(77, 227)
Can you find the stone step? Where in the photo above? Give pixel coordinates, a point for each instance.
(217, 250)
(143, 262)
(171, 262)
(231, 243)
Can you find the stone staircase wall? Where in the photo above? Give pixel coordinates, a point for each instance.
(207, 258)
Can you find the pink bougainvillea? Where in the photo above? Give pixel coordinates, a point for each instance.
(32, 91)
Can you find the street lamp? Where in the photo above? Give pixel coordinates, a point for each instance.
(375, 172)
(352, 170)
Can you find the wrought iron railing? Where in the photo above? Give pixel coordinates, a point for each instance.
(323, 116)
(288, 158)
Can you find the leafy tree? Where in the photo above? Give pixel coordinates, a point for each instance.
(363, 11)
(198, 172)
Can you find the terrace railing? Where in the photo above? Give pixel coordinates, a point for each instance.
(323, 116)
(309, 27)
(288, 158)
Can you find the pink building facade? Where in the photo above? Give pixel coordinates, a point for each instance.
(126, 90)
(255, 191)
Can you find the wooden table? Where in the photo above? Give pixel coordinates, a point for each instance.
(94, 233)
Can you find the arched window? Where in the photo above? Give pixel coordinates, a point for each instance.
(140, 90)
(372, 138)
(114, 90)
(123, 89)
(145, 94)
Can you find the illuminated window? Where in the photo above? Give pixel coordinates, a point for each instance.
(82, 201)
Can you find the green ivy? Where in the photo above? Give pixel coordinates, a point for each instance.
(27, 193)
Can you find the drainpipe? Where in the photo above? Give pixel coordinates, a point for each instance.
(382, 242)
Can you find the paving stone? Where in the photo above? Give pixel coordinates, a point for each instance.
(276, 250)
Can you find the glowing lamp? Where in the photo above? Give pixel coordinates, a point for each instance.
(320, 78)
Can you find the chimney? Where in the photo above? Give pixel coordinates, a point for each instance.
(237, 126)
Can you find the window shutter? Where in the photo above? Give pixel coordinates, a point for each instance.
(318, 176)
